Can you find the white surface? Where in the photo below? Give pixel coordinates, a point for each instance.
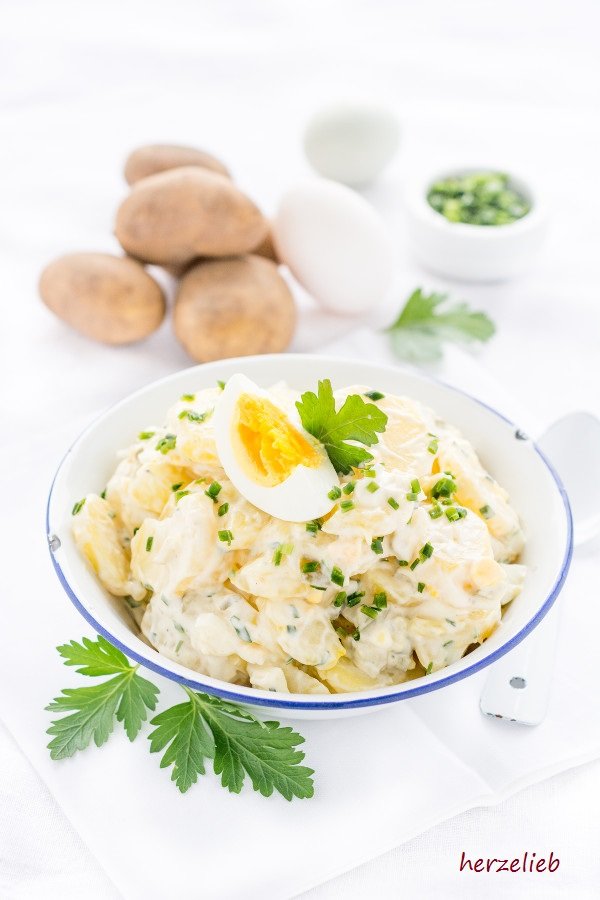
(82, 87)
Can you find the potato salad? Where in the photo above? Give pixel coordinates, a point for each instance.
(314, 542)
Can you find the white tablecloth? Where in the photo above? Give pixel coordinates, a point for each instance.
(511, 83)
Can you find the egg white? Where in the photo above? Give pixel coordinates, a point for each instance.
(303, 495)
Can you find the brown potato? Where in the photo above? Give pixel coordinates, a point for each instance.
(267, 249)
(108, 298)
(153, 158)
(175, 216)
(233, 307)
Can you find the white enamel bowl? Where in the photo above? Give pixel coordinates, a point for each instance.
(508, 454)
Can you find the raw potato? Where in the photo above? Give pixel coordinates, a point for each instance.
(234, 307)
(267, 249)
(175, 216)
(153, 158)
(108, 298)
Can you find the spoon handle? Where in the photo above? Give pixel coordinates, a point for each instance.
(519, 685)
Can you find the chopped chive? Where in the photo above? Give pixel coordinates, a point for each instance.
(393, 503)
(179, 495)
(421, 587)
(372, 487)
(335, 493)
(226, 536)
(179, 627)
(369, 473)
(175, 487)
(436, 511)
(452, 514)
(377, 545)
(224, 507)
(402, 562)
(374, 395)
(444, 487)
(281, 551)
(451, 622)
(433, 446)
(145, 435)
(426, 550)
(310, 566)
(346, 505)
(337, 576)
(354, 598)
(461, 512)
(414, 564)
(429, 668)
(135, 530)
(291, 629)
(447, 644)
(412, 496)
(348, 488)
(317, 587)
(370, 611)
(313, 527)
(415, 486)
(166, 443)
(380, 600)
(221, 384)
(194, 416)
(77, 507)
(486, 511)
(178, 647)
(240, 629)
(356, 635)
(188, 398)
(213, 491)
(103, 494)
(340, 599)
(149, 543)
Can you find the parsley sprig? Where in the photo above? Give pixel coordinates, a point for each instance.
(200, 729)
(428, 320)
(356, 420)
(126, 696)
(207, 727)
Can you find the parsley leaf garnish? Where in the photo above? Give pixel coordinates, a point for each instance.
(207, 727)
(428, 319)
(127, 696)
(203, 727)
(354, 421)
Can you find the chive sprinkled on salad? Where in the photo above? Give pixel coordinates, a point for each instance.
(346, 505)
(149, 543)
(380, 600)
(372, 487)
(313, 527)
(421, 587)
(77, 507)
(393, 503)
(335, 493)
(146, 435)
(436, 511)
(340, 599)
(371, 611)
(226, 535)
(194, 416)
(309, 566)
(348, 488)
(486, 511)
(177, 486)
(166, 443)
(223, 509)
(179, 495)
(374, 395)
(429, 668)
(444, 487)
(433, 444)
(337, 576)
(426, 551)
(354, 598)
(213, 491)
(377, 545)
(188, 398)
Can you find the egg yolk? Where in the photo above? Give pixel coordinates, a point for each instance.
(266, 444)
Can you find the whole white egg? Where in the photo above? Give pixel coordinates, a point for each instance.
(267, 455)
(351, 142)
(335, 244)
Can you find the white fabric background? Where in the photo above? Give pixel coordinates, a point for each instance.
(511, 83)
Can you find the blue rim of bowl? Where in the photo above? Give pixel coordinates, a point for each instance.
(357, 703)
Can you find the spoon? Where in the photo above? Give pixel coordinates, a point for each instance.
(518, 686)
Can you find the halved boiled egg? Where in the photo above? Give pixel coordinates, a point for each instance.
(268, 456)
